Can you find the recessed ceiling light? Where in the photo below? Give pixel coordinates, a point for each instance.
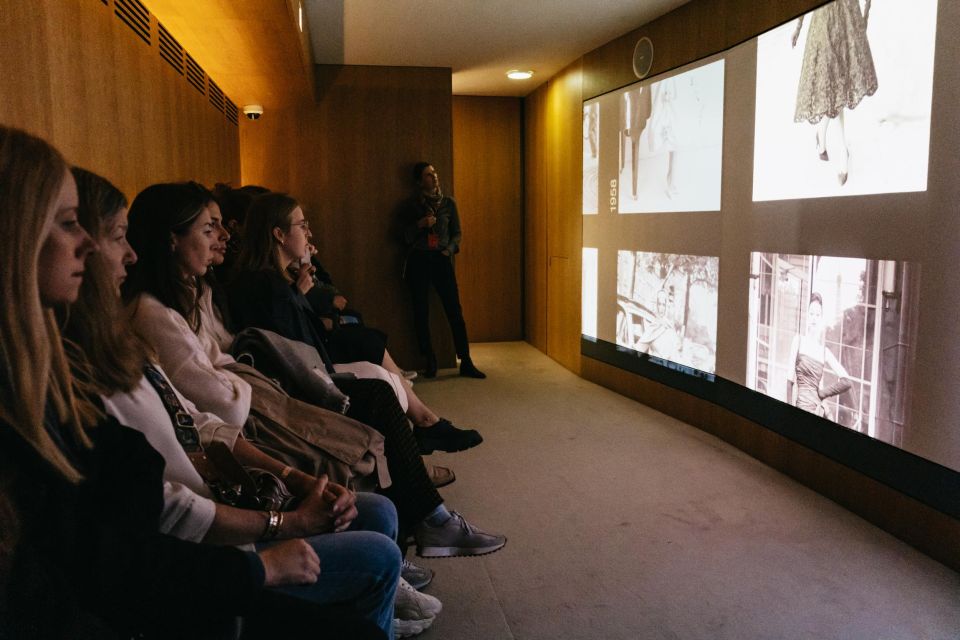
(518, 74)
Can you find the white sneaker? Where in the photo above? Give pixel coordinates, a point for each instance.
(414, 611)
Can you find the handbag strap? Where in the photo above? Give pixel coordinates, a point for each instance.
(217, 465)
(183, 425)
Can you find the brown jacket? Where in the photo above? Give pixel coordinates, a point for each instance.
(312, 439)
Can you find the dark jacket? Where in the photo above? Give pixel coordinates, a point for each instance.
(447, 227)
(89, 560)
(266, 300)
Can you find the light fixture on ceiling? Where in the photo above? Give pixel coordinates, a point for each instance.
(519, 74)
(253, 111)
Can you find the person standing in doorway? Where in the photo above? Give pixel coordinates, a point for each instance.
(431, 232)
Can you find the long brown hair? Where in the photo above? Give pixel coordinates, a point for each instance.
(34, 369)
(156, 212)
(266, 212)
(97, 325)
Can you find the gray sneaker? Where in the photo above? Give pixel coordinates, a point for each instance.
(455, 537)
(418, 577)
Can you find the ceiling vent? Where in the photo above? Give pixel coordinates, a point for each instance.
(135, 16)
(231, 111)
(216, 96)
(170, 50)
(195, 75)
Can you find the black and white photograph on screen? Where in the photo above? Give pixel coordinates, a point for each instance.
(843, 101)
(591, 157)
(588, 300)
(667, 307)
(671, 138)
(835, 337)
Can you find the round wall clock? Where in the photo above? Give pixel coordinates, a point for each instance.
(643, 57)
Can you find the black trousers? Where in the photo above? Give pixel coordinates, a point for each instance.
(374, 403)
(432, 267)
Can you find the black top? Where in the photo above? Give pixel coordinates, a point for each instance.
(89, 557)
(446, 230)
(323, 292)
(266, 300)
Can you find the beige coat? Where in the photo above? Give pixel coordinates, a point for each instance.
(309, 438)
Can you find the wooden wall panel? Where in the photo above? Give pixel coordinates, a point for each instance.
(25, 93)
(252, 48)
(107, 100)
(348, 158)
(552, 232)
(564, 198)
(486, 160)
(535, 218)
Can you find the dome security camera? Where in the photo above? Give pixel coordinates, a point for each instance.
(253, 111)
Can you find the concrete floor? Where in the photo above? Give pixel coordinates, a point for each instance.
(625, 523)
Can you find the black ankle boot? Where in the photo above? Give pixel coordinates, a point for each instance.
(431, 370)
(468, 370)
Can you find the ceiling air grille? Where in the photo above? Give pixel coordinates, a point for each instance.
(135, 16)
(231, 111)
(195, 75)
(170, 50)
(216, 96)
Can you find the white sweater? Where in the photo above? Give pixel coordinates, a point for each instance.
(188, 510)
(193, 362)
(211, 323)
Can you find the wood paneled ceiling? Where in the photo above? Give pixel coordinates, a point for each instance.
(251, 48)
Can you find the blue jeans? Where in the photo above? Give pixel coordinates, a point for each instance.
(359, 566)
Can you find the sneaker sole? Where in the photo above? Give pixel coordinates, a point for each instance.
(407, 628)
(458, 552)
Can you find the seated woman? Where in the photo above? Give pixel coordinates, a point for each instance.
(346, 337)
(264, 295)
(172, 229)
(328, 302)
(359, 566)
(80, 495)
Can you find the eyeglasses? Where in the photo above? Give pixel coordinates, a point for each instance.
(303, 223)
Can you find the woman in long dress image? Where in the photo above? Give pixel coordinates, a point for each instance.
(810, 356)
(837, 72)
(663, 122)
